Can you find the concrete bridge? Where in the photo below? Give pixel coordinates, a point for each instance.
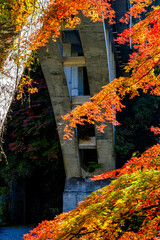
(75, 68)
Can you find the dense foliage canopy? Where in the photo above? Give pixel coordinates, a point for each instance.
(133, 136)
(129, 207)
(31, 138)
(13, 14)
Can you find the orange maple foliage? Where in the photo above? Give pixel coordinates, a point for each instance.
(150, 159)
(48, 19)
(142, 66)
(127, 209)
(26, 82)
(65, 13)
(156, 130)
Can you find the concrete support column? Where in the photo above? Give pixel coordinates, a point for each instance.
(94, 46)
(51, 63)
(105, 142)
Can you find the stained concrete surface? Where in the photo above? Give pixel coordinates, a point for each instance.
(13, 233)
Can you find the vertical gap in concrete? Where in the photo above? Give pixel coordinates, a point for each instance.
(88, 159)
(86, 83)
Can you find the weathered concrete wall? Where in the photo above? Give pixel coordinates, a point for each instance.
(76, 189)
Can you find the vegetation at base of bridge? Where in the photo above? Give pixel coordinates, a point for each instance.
(31, 144)
(129, 208)
(32, 139)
